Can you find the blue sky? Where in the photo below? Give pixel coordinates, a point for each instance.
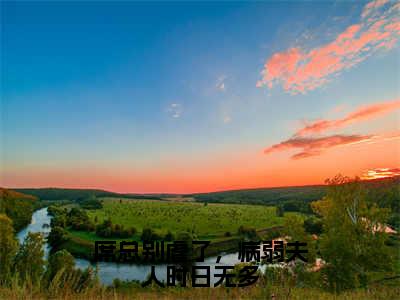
(129, 86)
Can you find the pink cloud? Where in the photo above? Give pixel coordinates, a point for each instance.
(372, 6)
(312, 146)
(299, 70)
(361, 114)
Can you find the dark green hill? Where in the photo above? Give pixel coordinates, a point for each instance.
(292, 198)
(385, 192)
(75, 194)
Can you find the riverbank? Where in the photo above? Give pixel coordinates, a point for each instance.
(108, 271)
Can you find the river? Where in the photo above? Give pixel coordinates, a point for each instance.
(107, 271)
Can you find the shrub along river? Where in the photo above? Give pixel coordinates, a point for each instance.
(107, 271)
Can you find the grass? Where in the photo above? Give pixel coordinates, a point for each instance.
(78, 247)
(204, 221)
(258, 291)
(208, 222)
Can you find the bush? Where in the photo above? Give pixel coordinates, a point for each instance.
(59, 261)
(107, 229)
(248, 232)
(91, 203)
(148, 234)
(169, 236)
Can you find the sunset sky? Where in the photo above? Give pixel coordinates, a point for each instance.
(196, 97)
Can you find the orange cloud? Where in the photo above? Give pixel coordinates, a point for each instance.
(361, 114)
(299, 70)
(312, 146)
(380, 173)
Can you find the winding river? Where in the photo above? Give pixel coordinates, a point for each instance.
(107, 271)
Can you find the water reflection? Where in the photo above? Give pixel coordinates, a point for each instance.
(40, 223)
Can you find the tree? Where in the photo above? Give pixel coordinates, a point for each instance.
(17, 206)
(350, 243)
(79, 220)
(8, 247)
(91, 202)
(29, 262)
(293, 227)
(57, 236)
(59, 220)
(313, 225)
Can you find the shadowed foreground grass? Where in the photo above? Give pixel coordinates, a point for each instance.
(258, 291)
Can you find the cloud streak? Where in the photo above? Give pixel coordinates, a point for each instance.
(313, 146)
(380, 173)
(299, 70)
(175, 110)
(363, 113)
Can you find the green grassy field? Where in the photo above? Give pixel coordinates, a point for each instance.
(204, 221)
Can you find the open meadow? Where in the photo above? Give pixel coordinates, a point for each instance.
(202, 220)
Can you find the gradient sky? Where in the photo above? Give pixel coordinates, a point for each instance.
(195, 97)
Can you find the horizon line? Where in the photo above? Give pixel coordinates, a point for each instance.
(182, 194)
